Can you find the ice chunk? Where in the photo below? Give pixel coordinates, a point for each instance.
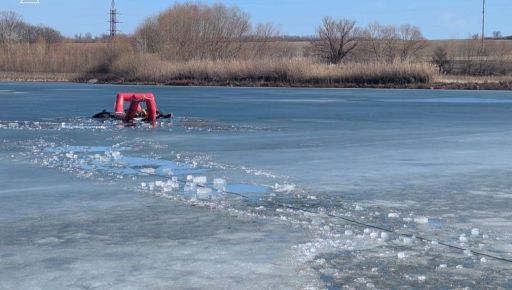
(167, 171)
(143, 184)
(468, 253)
(190, 177)
(70, 155)
(442, 266)
(463, 238)
(116, 155)
(407, 240)
(483, 260)
(475, 232)
(393, 215)
(384, 236)
(459, 267)
(283, 187)
(348, 232)
(189, 187)
(421, 220)
(402, 255)
(367, 231)
(172, 183)
(203, 192)
(358, 207)
(147, 170)
(374, 235)
(200, 179)
(422, 278)
(219, 184)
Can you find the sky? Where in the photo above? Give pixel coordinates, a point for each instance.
(437, 19)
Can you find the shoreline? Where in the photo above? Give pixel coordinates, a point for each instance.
(436, 85)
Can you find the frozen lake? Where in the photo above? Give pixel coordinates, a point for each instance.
(255, 188)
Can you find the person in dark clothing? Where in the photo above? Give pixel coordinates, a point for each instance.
(103, 115)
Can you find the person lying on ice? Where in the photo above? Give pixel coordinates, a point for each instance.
(142, 114)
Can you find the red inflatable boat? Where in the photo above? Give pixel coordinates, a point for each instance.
(135, 110)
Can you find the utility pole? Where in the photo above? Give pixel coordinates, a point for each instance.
(113, 19)
(483, 22)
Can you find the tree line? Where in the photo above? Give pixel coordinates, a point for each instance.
(14, 30)
(198, 31)
(338, 40)
(194, 31)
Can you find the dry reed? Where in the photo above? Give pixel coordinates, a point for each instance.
(294, 71)
(41, 57)
(117, 63)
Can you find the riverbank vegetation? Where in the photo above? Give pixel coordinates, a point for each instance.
(203, 44)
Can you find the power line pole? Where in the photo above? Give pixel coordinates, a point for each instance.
(113, 19)
(483, 22)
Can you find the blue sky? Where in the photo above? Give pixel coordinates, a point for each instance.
(438, 19)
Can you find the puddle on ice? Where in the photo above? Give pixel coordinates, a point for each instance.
(247, 188)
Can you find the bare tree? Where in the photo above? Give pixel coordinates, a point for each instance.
(441, 60)
(336, 39)
(387, 43)
(148, 37)
(10, 27)
(474, 58)
(382, 42)
(32, 34)
(192, 30)
(411, 41)
(497, 35)
(13, 30)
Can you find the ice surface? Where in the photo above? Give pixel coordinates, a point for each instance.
(96, 236)
(278, 183)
